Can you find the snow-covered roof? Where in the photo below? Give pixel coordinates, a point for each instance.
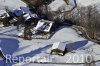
(59, 45)
(41, 25)
(26, 10)
(23, 10)
(27, 16)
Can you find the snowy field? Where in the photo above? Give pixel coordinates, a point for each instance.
(88, 2)
(39, 49)
(11, 4)
(61, 5)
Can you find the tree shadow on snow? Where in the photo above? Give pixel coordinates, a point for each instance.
(35, 52)
(76, 45)
(9, 45)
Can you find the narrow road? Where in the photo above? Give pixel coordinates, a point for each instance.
(85, 33)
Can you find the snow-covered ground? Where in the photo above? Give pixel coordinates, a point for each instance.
(61, 5)
(11, 4)
(87, 2)
(39, 50)
(77, 45)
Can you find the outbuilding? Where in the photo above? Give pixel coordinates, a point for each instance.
(44, 25)
(59, 48)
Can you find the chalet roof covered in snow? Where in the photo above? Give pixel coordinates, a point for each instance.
(25, 10)
(59, 45)
(44, 25)
(22, 10)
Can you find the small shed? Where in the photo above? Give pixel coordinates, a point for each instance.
(44, 25)
(58, 48)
